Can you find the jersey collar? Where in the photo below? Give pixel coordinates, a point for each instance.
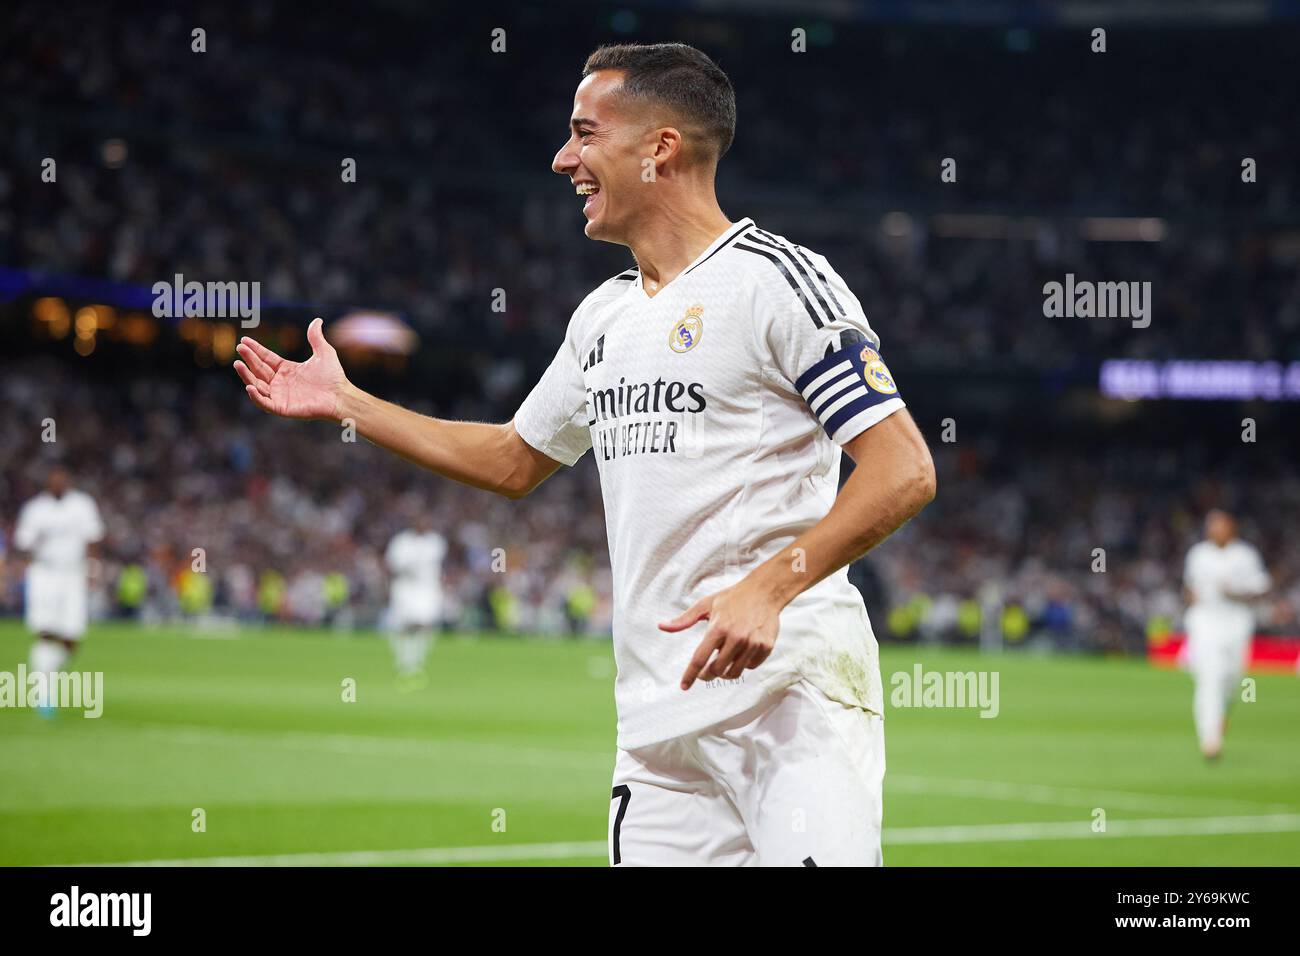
(729, 235)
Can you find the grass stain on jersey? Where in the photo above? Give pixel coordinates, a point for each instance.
(848, 678)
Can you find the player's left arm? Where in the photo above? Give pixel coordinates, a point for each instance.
(821, 347)
(95, 532)
(744, 619)
(1253, 584)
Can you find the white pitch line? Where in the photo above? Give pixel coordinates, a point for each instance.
(1067, 796)
(363, 745)
(577, 760)
(904, 836)
(431, 856)
(1079, 829)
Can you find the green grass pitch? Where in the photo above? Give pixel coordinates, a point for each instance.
(505, 759)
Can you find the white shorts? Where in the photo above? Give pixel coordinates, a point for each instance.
(56, 602)
(794, 781)
(412, 616)
(1218, 641)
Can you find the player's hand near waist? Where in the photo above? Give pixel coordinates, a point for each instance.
(744, 619)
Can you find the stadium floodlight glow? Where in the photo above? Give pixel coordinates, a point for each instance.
(896, 225)
(114, 153)
(1205, 380)
(984, 226)
(1123, 229)
(86, 322)
(50, 309)
(374, 332)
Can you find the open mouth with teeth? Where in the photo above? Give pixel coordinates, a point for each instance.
(589, 190)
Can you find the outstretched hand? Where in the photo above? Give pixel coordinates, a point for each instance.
(310, 389)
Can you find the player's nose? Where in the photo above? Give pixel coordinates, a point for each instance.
(566, 160)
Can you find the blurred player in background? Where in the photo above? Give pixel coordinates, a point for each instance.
(1223, 576)
(57, 530)
(414, 559)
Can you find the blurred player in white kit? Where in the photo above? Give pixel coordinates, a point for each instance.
(57, 530)
(414, 559)
(1223, 576)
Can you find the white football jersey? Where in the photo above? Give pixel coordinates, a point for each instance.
(715, 410)
(57, 530)
(1211, 570)
(415, 562)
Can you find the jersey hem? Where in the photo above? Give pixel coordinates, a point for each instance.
(543, 446)
(692, 724)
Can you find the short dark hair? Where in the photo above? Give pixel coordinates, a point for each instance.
(681, 78)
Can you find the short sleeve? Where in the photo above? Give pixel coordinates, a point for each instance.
(1257, 576)
(94, 523)
(553, 418)
(818, 339)
(393, 554)
(25, 534)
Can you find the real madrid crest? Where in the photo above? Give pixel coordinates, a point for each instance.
(686, 333)
(874, 371)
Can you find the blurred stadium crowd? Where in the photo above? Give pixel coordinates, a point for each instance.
(292, 523)
(229, 168)
(225, 166)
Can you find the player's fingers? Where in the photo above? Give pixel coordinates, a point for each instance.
(251, 380)
(739, 661)
(761, 653)
(688, 618)
(255, 364)
(731, 649)
(699, 659)
(261, 351)
(260, 400)
(756, 655)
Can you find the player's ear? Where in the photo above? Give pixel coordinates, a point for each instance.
(667, 144)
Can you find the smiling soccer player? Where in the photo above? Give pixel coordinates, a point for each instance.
(717, 382)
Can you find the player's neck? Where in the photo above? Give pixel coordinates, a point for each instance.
(674, 238)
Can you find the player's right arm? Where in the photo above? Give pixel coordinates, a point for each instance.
(26, 535)
(1189, 592)
(1251, 581)
(393, 557)
(484, 455)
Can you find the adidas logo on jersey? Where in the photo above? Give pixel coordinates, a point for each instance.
(596, 355)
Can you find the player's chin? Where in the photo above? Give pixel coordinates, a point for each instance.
(598, 224)
(603, 230)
